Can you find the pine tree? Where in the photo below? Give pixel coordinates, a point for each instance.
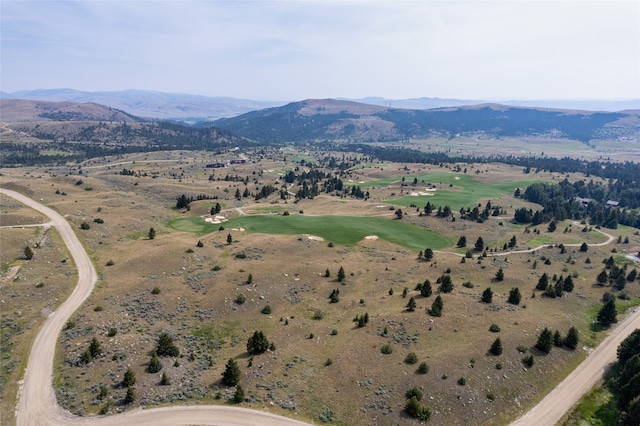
(428, 254)
(94, 348)
(496, 347)
(129, 378)
(426, 289)
(154, 364)
(602, 277)
(257, 343)
(130, 397)
(437, 307)
(571, 341)
(231, 374)
(487, 295)
(164, 381)
(543, 282)
(479, 246)
(514, 296)
(238, 396)
(446, 284)
(341, 274)
(567, 285)
(165, 346)
(557, 339)
(607, 314)
(545, 341)
(28, 253)
(229, 239)
(152, 233)
(411, 306)
(462, 241)
(500, 275)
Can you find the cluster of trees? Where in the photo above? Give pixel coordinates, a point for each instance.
(548, 339)
(616, 275)
(184, 200)
(556, 286)
(624, 381)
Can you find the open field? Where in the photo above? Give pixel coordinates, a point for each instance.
(198, 288)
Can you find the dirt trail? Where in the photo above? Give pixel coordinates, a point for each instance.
(37, 404)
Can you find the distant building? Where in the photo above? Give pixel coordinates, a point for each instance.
(613, 203)
(582, 201)
(237, 161)
(214, 165)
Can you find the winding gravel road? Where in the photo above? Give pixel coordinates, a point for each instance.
(37, 404)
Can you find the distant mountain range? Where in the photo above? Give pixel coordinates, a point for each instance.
(330, 119)
(193, 108)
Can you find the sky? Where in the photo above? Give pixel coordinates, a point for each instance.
(293, 50)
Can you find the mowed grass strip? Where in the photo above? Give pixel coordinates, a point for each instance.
(345, 230)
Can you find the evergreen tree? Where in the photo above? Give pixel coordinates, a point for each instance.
(416, 410)
(512, 242)
(426, 288)
(632, 275)
(584, 247)
(557, 339)
(164, 381)
(496, 347)
(229, 239)
(567, 285)
(571, 341)
(130, 397)
(479, 246)
(545, 341)
(462, 241)
(514, 296)
(559, 288)
(629, 347)
(607, 314)
(411, 306)
(437, 307)
(154, 364)
(602, 277)
(487, 295)
(129, 378)
(28, 253)
(238, 396)
(500, 275)
(231, 374)
(543, 282)
(446, 284)
(257, 343)
(327, 273)
(94, 348)
(552, 226)
(152, 233)
(341, 274)
(165, 346)
(428, 254)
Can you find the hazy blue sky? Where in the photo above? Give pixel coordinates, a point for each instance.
(291, 50)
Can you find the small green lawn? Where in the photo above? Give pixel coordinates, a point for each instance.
(345, 230)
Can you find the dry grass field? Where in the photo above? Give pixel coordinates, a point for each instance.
(324, 367)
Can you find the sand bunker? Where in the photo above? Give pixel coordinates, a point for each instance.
(428, 191)
(238, 229)
(216, 219)
(371, 237)
(457, 178)
(315, 238)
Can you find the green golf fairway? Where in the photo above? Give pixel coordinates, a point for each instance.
(337, 229)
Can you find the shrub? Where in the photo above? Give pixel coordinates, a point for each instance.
(522, 349)
(216, 268)
(156, 290)
(164, 381)
(334, 332)
(130, 397)
(98, 220)
(85, 226)
(494, 328)
(328, 362)
(112, 332)
(468, 284)
(110, 262)
(411, 358)
(238, 396)
(386, 349)
(97, 309)
(241, 298)
(528, 361)
(257, 343)
(413, 393)
(414, 409)
(462, 381)
(266, 310)
(318, 315)
(423, 368)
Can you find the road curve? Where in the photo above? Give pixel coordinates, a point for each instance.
(37, 404)
(564, 396)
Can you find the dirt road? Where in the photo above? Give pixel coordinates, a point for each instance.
(36, 400)
(560, 400)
